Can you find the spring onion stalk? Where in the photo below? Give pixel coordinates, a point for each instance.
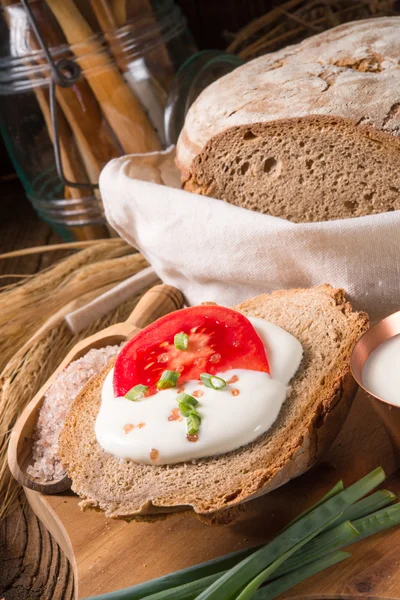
(273, 589)
(368, 505)
(168, 379)
(137, 393)
(240, 575)
(181, 341)
(327, 542)
(336, 538)
(141, 591)
(262, 577)
(378, 521)
(338, 487)
(212, 381)
(187, 591)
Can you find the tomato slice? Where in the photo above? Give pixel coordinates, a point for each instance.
(220, 339)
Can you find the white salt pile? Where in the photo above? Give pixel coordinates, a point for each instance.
(57, 401)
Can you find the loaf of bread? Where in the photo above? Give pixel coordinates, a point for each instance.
(308, 133)
(311, 417)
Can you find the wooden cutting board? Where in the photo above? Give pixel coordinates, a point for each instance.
(108, 555)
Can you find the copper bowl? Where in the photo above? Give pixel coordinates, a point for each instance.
(389, 413)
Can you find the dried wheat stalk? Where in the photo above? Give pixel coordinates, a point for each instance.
(295, 20)
(25, 306)
(29, 369)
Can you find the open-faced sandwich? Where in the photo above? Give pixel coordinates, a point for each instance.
(208, 406)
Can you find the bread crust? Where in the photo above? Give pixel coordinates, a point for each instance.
(124, 489)
(350, 71)
(309, 133)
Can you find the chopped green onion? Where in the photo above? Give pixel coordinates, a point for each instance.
(233, 581)
(277, 587)
(181, 341)
(187, 404)
(187, 399)
(137, 392)
(212, 381)
(168, 379)
(186, 409)
(193, 422)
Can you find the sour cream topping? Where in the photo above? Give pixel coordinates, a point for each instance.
(152, 431)
(381, 372)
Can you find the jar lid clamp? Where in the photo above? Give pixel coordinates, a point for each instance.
(64, 73)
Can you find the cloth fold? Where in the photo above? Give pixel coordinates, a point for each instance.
(213, 250)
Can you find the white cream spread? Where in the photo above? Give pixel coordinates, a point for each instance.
(381, 372)
(230, 418)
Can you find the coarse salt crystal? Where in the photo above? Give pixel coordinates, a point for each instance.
(57, 401)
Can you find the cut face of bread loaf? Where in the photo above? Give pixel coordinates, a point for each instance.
(320, 397)
(308, 133)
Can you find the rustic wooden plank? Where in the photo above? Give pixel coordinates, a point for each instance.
(32, 565)
(100, 549)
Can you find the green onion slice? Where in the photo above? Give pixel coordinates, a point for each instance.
(186, 404)
(187, 399)
(211, 381)
(168, 379)
(193, 423)
(137, 393)
(186, 409)
(181, 341)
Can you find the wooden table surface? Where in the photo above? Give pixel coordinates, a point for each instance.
(32, 565)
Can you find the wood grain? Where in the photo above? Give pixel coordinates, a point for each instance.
(32, 565)
(100, 549)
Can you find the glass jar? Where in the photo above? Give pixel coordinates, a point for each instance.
(127, 61)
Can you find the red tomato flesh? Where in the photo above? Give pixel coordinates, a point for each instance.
(220, 339)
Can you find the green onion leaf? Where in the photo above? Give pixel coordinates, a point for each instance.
(378, 521)
(193, 423)
(368, 505)
(211, 381)
(188, 591)
(178, 579)
(338, 487)
(168, 379)
(255, 583)
(233, 581)
(328, 541)
(181, 341)
(277, 587)
(137, 393)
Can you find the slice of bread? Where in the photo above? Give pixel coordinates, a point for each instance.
(308, 133)
(320, 397)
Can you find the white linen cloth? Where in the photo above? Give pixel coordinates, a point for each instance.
(212, 250)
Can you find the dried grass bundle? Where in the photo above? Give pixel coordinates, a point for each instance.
(35, 337)
(296, 20)
(24, 307)
(28, 370)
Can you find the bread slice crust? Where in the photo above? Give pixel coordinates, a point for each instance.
(321, 395)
